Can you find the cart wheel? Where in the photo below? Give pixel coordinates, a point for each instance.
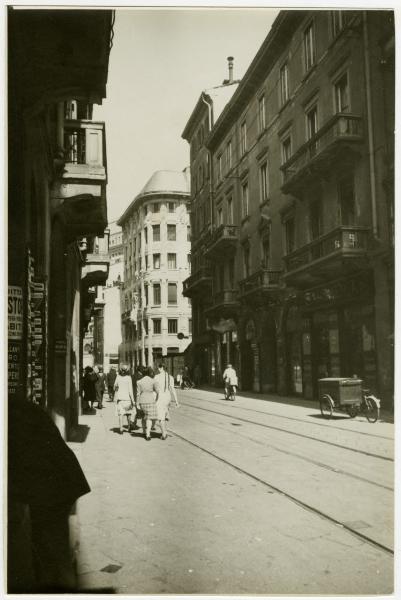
(326, 406)
(371, 410)
(352, 411)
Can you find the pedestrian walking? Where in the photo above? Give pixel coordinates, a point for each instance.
(166, 392)
(100, 386)
(89, 386)
(230, 381)
(146, 398)
(111, 377)
(124, 397)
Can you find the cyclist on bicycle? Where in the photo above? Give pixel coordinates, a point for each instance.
(230, 382)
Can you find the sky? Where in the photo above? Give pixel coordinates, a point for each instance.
(160, 62)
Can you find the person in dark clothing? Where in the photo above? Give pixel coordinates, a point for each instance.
(89, 386)
(100, 386)
(111, 377)
(43, 473)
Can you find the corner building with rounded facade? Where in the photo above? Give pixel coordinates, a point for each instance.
(156, 245)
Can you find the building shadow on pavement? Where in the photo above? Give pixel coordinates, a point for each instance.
(79, 434)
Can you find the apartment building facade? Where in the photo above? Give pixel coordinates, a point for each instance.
(156, 318)
(301, 200)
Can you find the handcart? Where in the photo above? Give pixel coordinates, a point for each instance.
(346, 394)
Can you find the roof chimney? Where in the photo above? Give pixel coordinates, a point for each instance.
(230, 69)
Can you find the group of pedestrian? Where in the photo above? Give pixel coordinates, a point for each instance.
(95, 382)
(147, 400)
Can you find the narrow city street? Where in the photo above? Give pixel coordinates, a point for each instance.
(259, 496)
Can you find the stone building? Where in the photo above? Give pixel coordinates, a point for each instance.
(111, 295)
(156, 242)
(295, 250)
(57, 69)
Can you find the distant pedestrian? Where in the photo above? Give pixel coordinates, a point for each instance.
(165, 393)
(111, 377)
(89, 387)
(146, 398)
(124, 397)
(230, 382)
(100, 386)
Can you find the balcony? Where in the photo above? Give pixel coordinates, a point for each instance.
(341, 251)
(224, 304)
(336, 142)
(96, 268)
(260, 285)
(84, 150)
(223, 241)
(198, 283)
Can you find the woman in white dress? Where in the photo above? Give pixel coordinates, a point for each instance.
(124, 396)
(165, 393)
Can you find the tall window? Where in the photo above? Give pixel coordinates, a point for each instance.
(156, 261)
(346, 200)
(172, 325)
(157, 326)
(229, 155)
(243, 136)
(172, 293)
(219, 167)
(146, 295)
(231, 273)
(286, 149)
(156, 294)
(261, 114)
(284, 84)
(189, 326)
(156, 207)
(265, 251)
(245, 200)
(246, 257)
(220, 216)
(156, 233)
(230, 211)
(341, 93)
(309, 47)
(189, 262)
(289, 230)
(311, 122)
(315, 212)
(146, 262)
(171, 260)
(171, 233)
(339, 19)
(171, 207)
(188, 233)
(264, 183)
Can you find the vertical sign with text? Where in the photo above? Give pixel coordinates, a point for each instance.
(15, 328)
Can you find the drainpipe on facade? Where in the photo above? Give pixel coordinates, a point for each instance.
(370, 125)
(210, 108)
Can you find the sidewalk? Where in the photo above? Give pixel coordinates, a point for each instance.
(386, 416)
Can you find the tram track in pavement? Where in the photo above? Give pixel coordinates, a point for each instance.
(287, 418)
(300, 456)
(294, 433)
(290, 497)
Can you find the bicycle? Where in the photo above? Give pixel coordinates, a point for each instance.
(346, 395)
(230, 392)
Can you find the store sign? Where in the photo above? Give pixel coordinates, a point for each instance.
(15, 312)
(14, 367)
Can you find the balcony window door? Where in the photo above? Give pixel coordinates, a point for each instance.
(341, 94)
(261, 114)
(171, 261)
(171, 233)
(245, 200)
(156, 294)
(309, 47)
(172, 293)
(229, 156)
(286, 149)
(264, 183)
(220, 216)
(265, 248)
(284, 84)
(156, 261)
(346, 201)
(243, 136)
(246, 259)
(230, 211)
(311, 129)
(156, 233)
(289, 231)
